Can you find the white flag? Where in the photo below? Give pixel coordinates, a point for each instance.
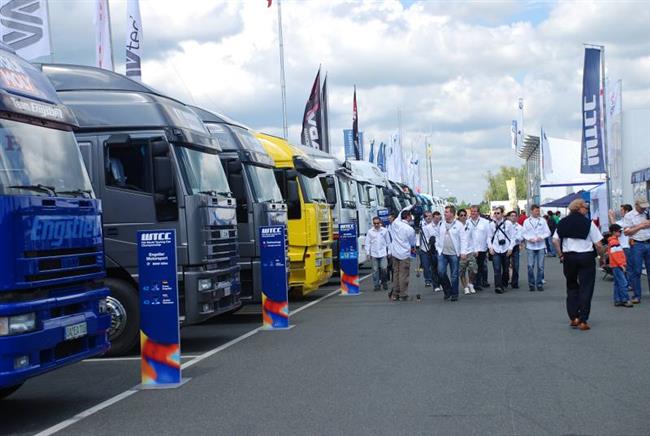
(520, 124)
(513, 135)
(133, 40)
(103, 46)
(547, 164)
(24, 26)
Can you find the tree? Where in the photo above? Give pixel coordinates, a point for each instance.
(497, 189)
(452, 200)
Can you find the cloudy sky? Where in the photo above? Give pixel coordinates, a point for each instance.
(454, 69)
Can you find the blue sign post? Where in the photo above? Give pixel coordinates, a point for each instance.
(349, 259)
(275, 287)
(160, 341)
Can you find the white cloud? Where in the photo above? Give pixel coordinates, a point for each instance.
(454, 68)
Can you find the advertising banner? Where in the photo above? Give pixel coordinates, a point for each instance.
(160, 340)
(514, 135)
(383, 216)
(25, 27)
(349, 259)
(275, 288)
(593, 155)
(312, 132)
(348, 144)
(134, 37)
(615, 142)
(103, 43)
(355, 128)
(520, 125)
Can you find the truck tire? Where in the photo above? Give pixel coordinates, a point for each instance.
(5, 392)
(124, 307)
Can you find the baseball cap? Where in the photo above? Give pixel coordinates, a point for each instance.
(641, 202)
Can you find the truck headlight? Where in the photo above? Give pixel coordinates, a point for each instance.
(205, 284)
(17, 324)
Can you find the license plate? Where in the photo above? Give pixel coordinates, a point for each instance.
(226, 291)
(76, 331)
(225, 234)
(319, 262)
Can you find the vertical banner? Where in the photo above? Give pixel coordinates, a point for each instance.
(134, 36)
(355, 127)
(349, 259)
(592, 152)
(371, 156)
(511, 185)
(312, 131)
(103, 44)
(275, 289)
(25, 27)
(325, 144)
(547, 163)
(383, 216)
(348, 144)
(615, 142)
(513, 135)
(520, 125)
(160, 339)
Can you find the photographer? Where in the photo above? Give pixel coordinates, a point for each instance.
(501, 240)
(428, 256)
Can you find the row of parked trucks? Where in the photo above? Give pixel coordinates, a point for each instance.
(89, 157)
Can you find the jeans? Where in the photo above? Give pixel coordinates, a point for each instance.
(639, 255)
(480, 280)
(550, 248)
(514, 262)
(379, 271)
(535, 261)
(450, 285)
(580, 273)
(620, 285)
(430, 275)
(500, 265)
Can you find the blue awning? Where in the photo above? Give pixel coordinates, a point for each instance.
(567, 199)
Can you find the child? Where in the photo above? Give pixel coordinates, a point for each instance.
(617, 262)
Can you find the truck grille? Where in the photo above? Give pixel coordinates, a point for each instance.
(221, 242)
(324, 231)
(42, 265)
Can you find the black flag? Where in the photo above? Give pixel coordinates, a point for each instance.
(326, 122)
(311, 120)
(355, 126)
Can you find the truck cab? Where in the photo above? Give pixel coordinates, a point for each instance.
(53, 308)
(309, 216)
(250, 173)
(155, 166)
(338, 185)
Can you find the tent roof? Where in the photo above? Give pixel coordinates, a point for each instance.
(567, 199)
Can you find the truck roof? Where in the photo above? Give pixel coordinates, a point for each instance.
(367, 171)
(102, 99)
(286, 155)
(26, 91)
(215, 117)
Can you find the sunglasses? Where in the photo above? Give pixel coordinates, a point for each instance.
(462, 215)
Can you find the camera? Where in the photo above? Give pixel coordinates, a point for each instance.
(502, 242)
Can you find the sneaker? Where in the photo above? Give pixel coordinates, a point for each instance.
(636, 300)
(427, 284)
(618, 304)
(626, 304)
(454, 298)
(467, 291)
(498, 290)
(446, 298)
(395, 298)
(471, 289)
(531, 288)
(543, 282)
(438, 289)
(478, 288)
(540, 288)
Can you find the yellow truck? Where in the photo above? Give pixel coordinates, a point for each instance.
(309, 215)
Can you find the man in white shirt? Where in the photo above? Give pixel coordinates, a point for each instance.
(513, 259)
(451, 239)
(535, 232)
(377, 242)
(401, 246)
(478, 231)
(500, 240)
(637, 228)
(574, 242)
(468, 267)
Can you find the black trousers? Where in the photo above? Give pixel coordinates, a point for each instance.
(480, 279)
(580, 274)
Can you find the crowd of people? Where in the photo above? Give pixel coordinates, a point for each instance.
(454, 250)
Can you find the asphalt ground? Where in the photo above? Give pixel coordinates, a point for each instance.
(487, 364)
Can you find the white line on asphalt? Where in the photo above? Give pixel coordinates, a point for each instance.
(125, 359)
(119, 397)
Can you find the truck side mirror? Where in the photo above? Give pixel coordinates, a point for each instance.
(330, 193)
(159, 148)
(163, 177)
(293, 199)
(234, 167)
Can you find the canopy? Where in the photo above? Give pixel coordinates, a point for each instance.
(567, 199)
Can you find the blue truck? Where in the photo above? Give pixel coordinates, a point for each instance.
(53, 303)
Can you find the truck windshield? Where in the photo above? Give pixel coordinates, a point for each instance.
(363, 194)
(380, 196)
(265, 188)
(312, 189)
(347, 199)
(36, 160)
(202, 171)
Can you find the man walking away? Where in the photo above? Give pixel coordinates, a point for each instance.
(637, 227)
(426, 251)
(402, 243)
(501, 239)
(550, 222)
(377, 242)
(468, 267)
(449, 244)
(513, 259)
(478, 234)
(535, 232)
(617, 262)
(574, 241)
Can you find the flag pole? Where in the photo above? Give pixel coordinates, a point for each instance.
(608, 185)
(283, 84)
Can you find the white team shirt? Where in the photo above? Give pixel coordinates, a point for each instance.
(479, 230)
(535, 228)
(634, 218)
(377, 242)
(403, 238)
(505, 233)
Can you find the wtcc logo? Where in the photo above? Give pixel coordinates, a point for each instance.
(157, 236)
(347, 226)
(271, 231)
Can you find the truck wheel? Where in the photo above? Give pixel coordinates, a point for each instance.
(5, 392)
(123, 305)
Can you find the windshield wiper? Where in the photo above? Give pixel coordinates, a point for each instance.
(38, 188)
(85, 193)
(215, 193)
